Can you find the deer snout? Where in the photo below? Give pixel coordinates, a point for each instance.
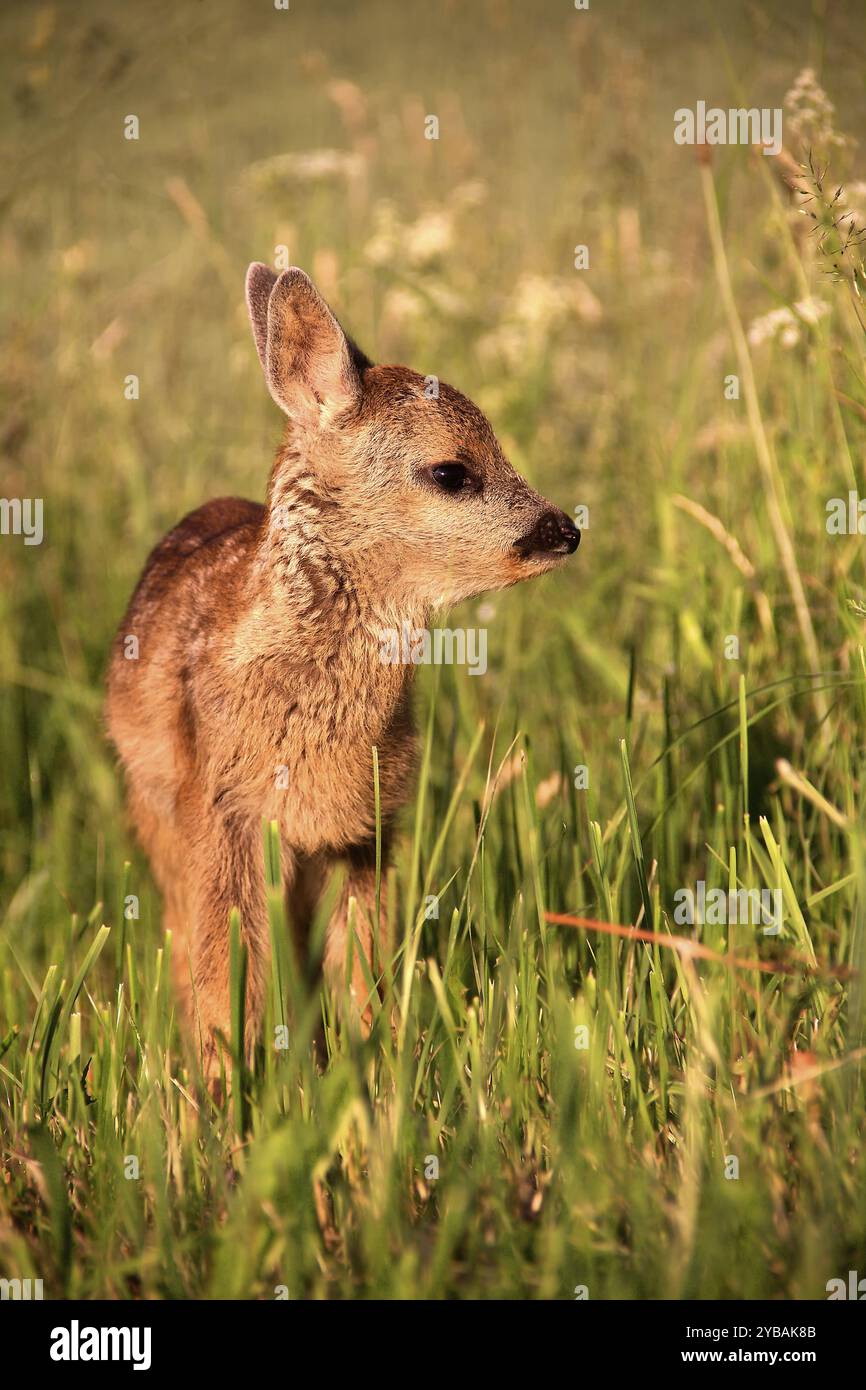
(553, 534)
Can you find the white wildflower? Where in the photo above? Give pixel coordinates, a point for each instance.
(429, 238)
(809, 113)
(382, 248)
(786, 323)
(402, 307)
(307, 166)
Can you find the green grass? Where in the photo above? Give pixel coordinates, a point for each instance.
(558, 1165)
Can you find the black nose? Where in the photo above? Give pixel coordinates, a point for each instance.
(553, 534)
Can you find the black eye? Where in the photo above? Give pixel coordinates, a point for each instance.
(450, 477)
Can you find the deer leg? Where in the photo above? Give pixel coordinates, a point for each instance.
(368, 943)
(162, 841)
(226, 871)
(303, 891)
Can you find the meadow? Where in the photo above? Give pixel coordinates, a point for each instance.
(559, 1110)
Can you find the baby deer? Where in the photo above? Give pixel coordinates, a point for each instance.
(254, 687)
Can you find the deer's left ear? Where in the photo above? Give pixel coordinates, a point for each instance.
(310, 366)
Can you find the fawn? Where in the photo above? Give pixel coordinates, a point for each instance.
(258, 646)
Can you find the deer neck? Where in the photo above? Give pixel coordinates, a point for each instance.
(315, 600)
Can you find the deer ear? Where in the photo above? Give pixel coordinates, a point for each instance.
(260, 281)
(310, 365)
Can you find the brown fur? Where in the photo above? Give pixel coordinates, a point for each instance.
(259, 648)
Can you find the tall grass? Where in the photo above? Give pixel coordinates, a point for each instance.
(542, 1106)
